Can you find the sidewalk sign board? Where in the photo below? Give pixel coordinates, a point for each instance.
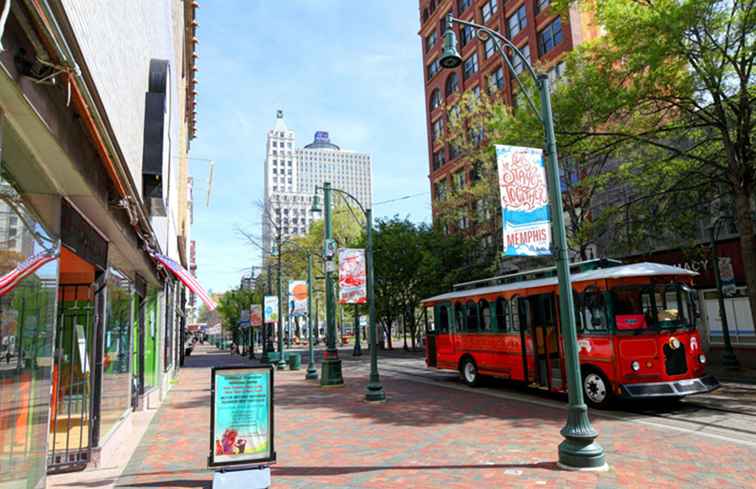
(241, 417)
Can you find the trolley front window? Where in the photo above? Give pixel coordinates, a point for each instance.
(655, 307)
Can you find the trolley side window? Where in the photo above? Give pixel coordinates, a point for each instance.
(443, 319)
(592, 308)
(515, 312)
(502, 314)
(485, 315)
(459, 317)
(472, 316)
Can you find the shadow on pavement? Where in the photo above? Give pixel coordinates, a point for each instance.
(283, 471)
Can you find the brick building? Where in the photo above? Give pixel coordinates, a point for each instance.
(532, 26)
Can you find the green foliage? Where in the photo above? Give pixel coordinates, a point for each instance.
(232, 303)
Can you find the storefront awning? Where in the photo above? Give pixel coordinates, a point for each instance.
(186, 278)
(10, 280)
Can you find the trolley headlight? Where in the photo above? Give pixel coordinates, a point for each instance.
(702, 358)
(674, 343)
(635, 366)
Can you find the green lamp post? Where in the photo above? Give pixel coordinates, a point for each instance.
(331, 367)
(312, 373)
(374, 390)
(281, 362)
(357, 346)
(579, 449)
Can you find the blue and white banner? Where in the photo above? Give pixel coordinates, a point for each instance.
(524, 201)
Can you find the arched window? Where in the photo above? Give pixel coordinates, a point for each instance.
(485, 315)
(435, 100)
(459, 316)
(472, 316)
(452, 83)
(502, 314)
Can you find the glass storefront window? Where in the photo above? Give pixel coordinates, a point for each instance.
(151, 315)
(116, 380)
(27, 322)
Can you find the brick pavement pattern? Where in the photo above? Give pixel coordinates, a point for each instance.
(424, 436)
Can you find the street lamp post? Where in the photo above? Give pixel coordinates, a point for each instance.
(281, 363)
(312, 373)
(729, 360)
(579, 449)
(357, 347)
(374, 390)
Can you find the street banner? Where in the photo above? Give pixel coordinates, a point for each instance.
(524, 201)
(241, 416)
(352, 276)
(244, 319)
(255, 315)
(297, 298)
(271, 308)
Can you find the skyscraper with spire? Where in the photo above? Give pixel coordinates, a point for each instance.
(291, 175)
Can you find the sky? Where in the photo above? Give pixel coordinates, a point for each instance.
(352, 68)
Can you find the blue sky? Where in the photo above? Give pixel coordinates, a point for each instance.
(353, 68)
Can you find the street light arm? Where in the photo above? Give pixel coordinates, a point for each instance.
(346, 194)
(484, 33)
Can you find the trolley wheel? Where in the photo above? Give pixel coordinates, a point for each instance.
(596, 389)
(469, 372)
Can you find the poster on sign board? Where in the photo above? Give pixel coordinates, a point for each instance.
(255, 315)
(271, 308)
(297, 298)
(241, 416)
(352, 276)
(524, 201)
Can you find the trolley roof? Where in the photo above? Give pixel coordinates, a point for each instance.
(645, 269)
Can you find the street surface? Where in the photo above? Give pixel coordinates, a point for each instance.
(435, 432)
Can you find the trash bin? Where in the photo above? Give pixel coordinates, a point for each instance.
(295, 361)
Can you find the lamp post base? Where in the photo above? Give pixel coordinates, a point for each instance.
(357, 350)
(729, 360)
(312, 373)
(331, 372)
(281, 365)
(374, 392)
(579, 451)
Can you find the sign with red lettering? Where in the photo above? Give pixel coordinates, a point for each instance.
(524, 201)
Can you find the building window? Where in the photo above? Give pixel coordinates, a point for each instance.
(452, 84)
(496, 80)
(439, 189)
(550, 37)
(454, 152)
(557, 72)
(430, 41)
(435, 100)
(438, 128)
(463, 5)
(541, 5)
(433, 68)
(466, 34)
(439, 159)
(488, 9)
(476, 92)
(517, 21)
(458, 180)
(470, 66)
(517, 61)
(489, 47)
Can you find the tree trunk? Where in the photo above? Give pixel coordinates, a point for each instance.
(404, 331)
(413, 331)
(747, 245)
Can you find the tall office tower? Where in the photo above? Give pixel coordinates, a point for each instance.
(292, 174)
(532, 26)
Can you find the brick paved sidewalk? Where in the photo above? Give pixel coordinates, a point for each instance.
(424, 436)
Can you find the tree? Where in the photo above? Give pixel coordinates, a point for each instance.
(232, 303)
(672, 83)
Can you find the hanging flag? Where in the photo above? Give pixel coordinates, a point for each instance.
(352, 276)
(297, 298)
(524, 201)
(10, 280)
(271, 308)
(255, 315)
(187, 279)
